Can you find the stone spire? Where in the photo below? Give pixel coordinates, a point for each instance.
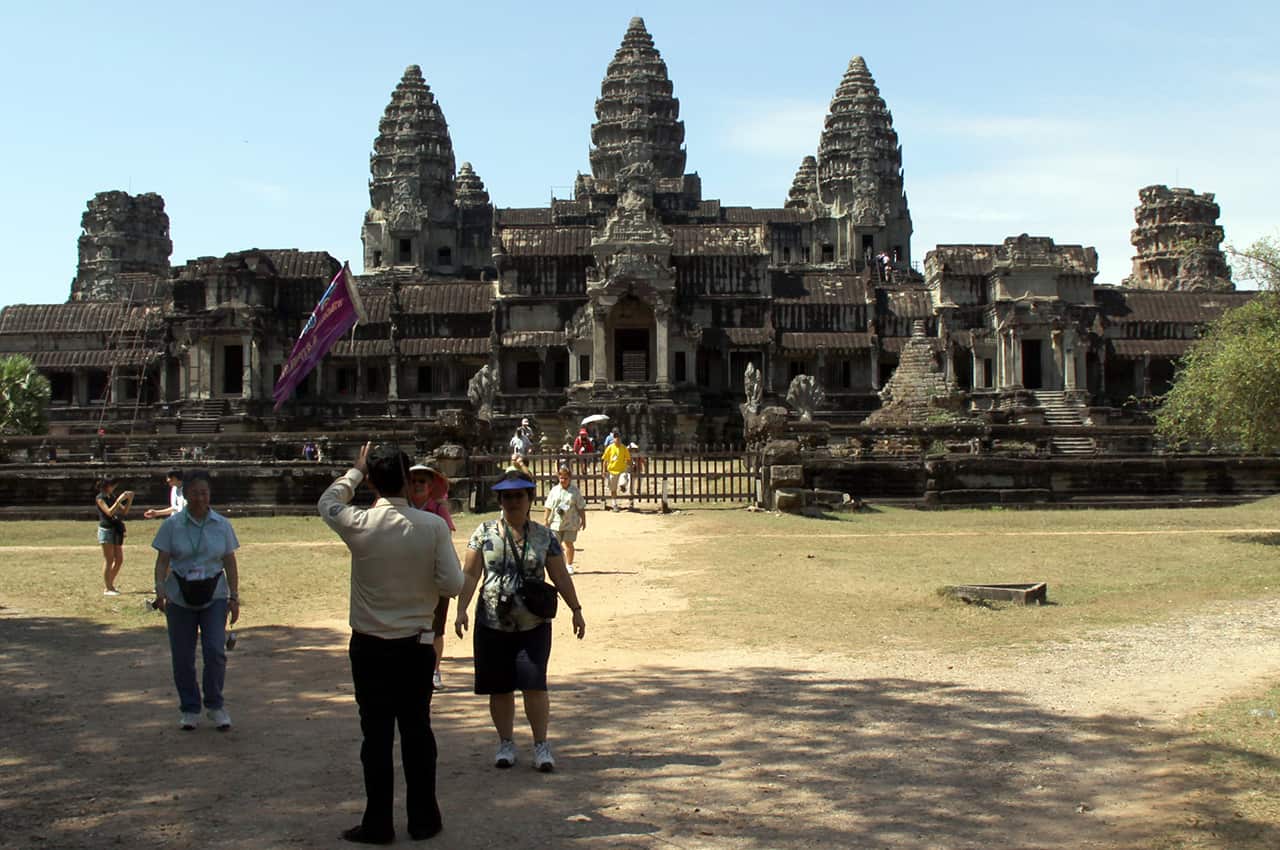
(637, 116)
(120, 234)
(412, 185)
(1179, 242)
(859, 160)
(469, 188)
(804, 188)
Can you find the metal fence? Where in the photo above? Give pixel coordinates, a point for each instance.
(693, 475)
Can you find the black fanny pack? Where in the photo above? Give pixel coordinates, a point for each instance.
(198, 592)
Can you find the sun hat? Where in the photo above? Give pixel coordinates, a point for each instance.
(440, 482)
(513, 479)
(582, 430)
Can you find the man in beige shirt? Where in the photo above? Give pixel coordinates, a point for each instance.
(402, 562)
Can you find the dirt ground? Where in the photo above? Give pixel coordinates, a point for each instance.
(660, 743)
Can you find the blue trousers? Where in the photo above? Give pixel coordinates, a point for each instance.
(211, 624)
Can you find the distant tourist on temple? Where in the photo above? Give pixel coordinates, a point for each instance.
(616, 461)
(522, 439)
(309, 450)
(176, 500)
(566, 513)
(429, 491)
(511, 643)
(111, 530)
(197, 586)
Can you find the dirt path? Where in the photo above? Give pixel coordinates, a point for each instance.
(1069, 746)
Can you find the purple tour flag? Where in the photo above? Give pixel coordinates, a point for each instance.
(338, 310)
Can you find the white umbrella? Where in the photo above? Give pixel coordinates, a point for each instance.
(594, 418)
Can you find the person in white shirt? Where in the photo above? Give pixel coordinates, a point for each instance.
(402, 561)
(176, 500)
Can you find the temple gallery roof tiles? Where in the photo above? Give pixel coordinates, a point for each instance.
(1134, 348)
(447, 298)
(94, 358)
(518, 216)
(834, 342)
(77, 317)
(895, 344)
(749, 336)
(448, 345)
(818, 287)
(546, 241)
(1132, 305)
(751, 215)
(910, 303)
(361, 348)
(294, 264)
(533, 339)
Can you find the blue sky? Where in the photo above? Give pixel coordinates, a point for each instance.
(255, 120)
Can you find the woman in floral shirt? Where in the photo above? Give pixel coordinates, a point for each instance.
(511, 644)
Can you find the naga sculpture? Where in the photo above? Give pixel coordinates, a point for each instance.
(806, 396)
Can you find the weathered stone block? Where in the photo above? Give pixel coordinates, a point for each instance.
(781, 452)
(789, 501)
(786, 475)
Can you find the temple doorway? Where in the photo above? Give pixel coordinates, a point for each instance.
(1032, 367)
(632, 338)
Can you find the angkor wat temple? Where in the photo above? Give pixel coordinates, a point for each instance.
(638, 296)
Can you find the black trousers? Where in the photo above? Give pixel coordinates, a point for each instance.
(393, 685)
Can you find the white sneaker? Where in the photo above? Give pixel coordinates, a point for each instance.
(110, 593)
(189, 721)
(542, 759)
(436, 682)
(506, 755)
(219, 718)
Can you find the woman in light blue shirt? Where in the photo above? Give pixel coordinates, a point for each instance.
(197, 584)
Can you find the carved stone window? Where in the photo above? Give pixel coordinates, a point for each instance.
(404, 250)
(828, 253)
(425, 376)
(377, 259)
(584, 367)
(444, 256)
(682, 369)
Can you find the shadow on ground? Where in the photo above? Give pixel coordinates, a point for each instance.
(749, 757)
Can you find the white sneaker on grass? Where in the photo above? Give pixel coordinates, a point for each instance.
(436, 682)
(506, 755)
(542, 759)
(189, 721)
(219, 718)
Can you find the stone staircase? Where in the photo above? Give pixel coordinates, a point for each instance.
(1059, 414)
(202, 417)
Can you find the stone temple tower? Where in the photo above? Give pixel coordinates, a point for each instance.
(636, 115)
(860, 168)
(1179, 242)
(122, 234)
(412, 220)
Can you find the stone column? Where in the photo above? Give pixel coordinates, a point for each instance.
(875, 364)
(1059, 359)
(662, 317)
(544, 382)
(248, 371)
(393, 379)
(361, 388)
(599, 350)
(1015, 352)
(1144, 374)
(162, 365)
(1071, 364)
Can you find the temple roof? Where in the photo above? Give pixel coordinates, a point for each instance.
(470, 189)
(447, 298)
(834, 342)
(637, 118)
(522, 215)
(1136, 348)
(533, 339)
(1123, 306)
(94, 358)
(545, 240)
(716, 240)
(818, 287)
(77, 317)
(804, 187)
(444, 345)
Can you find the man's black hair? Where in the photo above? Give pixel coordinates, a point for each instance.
(174, 473)
(389, 469)
(194, 475)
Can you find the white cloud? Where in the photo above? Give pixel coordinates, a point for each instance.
(789, 128)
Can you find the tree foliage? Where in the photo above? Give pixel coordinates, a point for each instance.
(24, 397)
(1228, 386)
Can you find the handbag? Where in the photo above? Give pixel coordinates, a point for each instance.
(198, 593)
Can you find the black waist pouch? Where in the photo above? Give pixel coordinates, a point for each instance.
(198, 592)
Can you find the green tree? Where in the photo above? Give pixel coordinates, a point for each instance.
(24, 397)
(1227, 390)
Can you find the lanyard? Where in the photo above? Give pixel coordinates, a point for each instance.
(197, 542)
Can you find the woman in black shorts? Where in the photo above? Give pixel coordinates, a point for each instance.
(511, 644)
